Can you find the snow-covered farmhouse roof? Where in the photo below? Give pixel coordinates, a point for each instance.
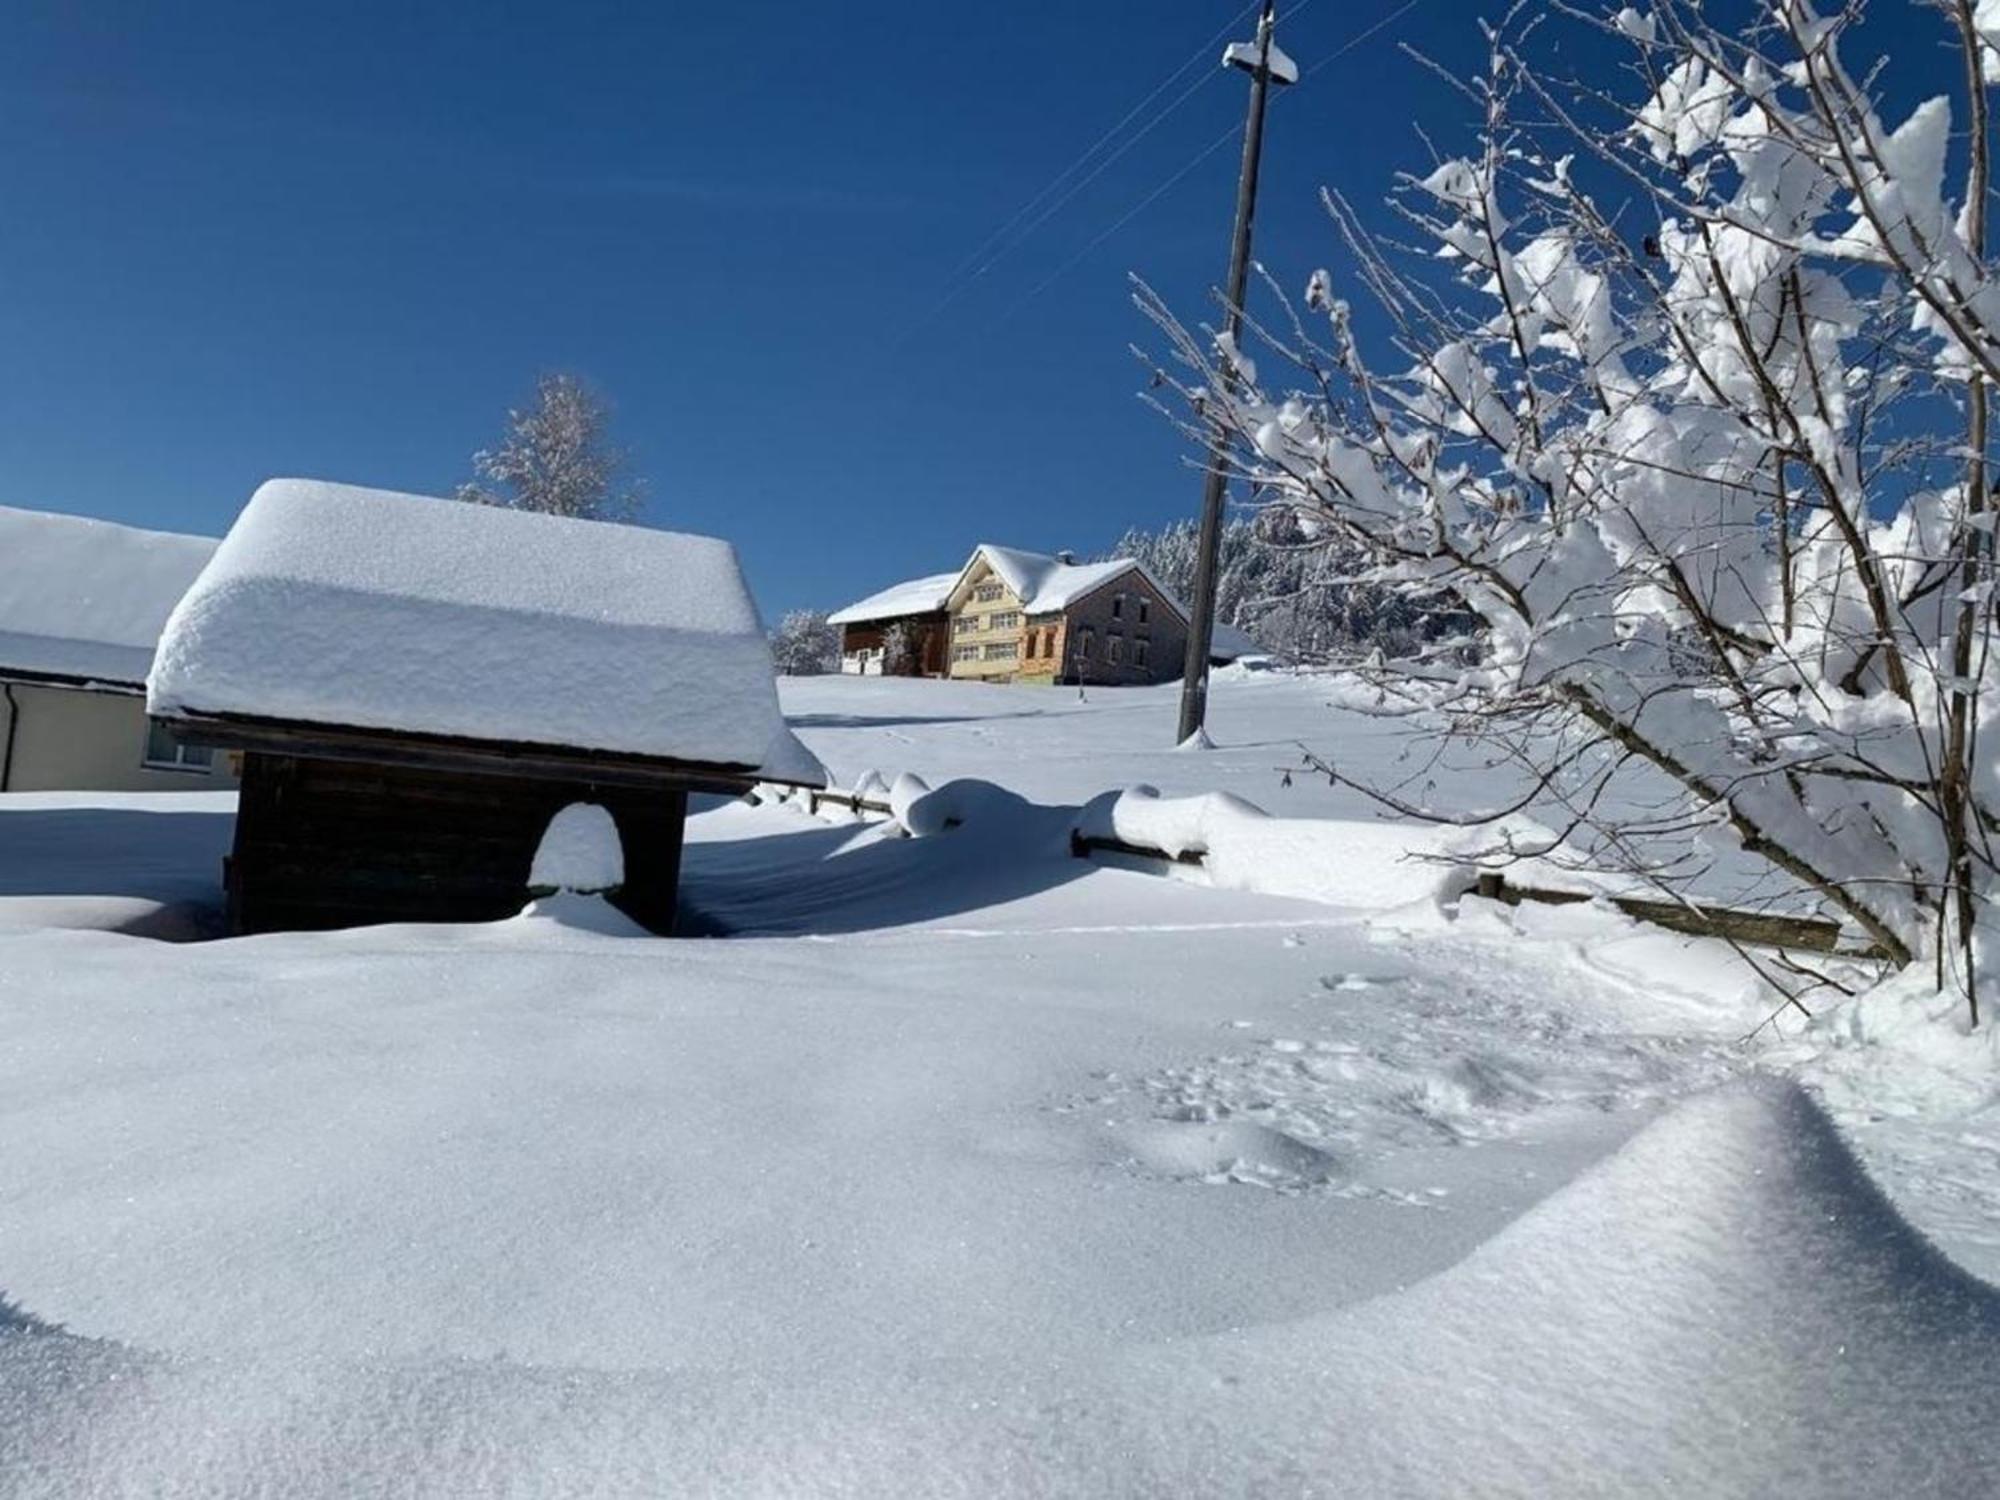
(1044, 583)
(916, 596)
(345, 608)
(82, 600)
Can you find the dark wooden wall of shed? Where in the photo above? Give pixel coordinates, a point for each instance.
(342, 843)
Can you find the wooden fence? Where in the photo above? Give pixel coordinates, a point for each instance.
(1756, 928)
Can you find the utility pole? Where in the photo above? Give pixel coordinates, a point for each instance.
(1266, 65)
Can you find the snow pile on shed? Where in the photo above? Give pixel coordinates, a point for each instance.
(333, 605)
(419, 685)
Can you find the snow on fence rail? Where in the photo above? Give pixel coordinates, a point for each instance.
(1374, 865)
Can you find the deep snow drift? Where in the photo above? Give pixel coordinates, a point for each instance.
(1726, 1307)
(967, 1166)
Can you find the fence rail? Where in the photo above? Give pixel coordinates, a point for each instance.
(1759, 929)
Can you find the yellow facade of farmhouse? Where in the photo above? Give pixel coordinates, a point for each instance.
(986, 627)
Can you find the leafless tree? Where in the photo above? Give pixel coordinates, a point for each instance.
(805, 644)
(556, 458)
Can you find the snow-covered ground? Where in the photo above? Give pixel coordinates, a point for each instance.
(963, 1166)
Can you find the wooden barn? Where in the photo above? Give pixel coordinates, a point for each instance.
(417, 686)
(903, 631)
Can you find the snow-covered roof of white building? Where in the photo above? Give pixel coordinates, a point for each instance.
(356, 608)
(84, 600)
(917, 596)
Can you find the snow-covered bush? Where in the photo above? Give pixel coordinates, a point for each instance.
(1689, 398)
(899, 651)
(580, 853)
(805, 644)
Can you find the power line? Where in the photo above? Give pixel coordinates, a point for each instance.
(997, 245)
(1201, 156)
(1097, 145)
(1359, 37)
(1122, 220)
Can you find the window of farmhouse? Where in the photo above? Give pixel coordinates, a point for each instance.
(1143, 602)
(986, 593)
(1006, 619)
(1085, 639)
(1139, 648)
(1002, 650)
(1114, 648)
(1117, 606)
(965, 653)
(965, 624)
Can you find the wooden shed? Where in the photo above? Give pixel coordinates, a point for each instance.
(417, 686)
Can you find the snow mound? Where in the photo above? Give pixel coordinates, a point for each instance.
(1375, 866)
(578, 913)
(924, 813)
(1726, 1307)
(580, 852)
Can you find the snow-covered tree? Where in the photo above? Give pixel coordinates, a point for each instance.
(556, 458)
(805, 645)
(1297, 594)
(1687, 393)
(899, 651)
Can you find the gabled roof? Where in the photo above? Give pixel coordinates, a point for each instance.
(1045, 584)
(84, 600)
(917, 596)
(351, 608)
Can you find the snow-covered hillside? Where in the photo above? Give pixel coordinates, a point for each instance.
(964, 1166)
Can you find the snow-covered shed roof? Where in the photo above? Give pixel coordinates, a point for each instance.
(84, 600)
(1044, 583)
(353, 608)
(915, 596)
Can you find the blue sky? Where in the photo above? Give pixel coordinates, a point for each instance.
(249, 240)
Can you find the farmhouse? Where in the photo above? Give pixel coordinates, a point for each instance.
(81, 607)
(1014, 616)
(417, 686)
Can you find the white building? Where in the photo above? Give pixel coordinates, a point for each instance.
(82, 603)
